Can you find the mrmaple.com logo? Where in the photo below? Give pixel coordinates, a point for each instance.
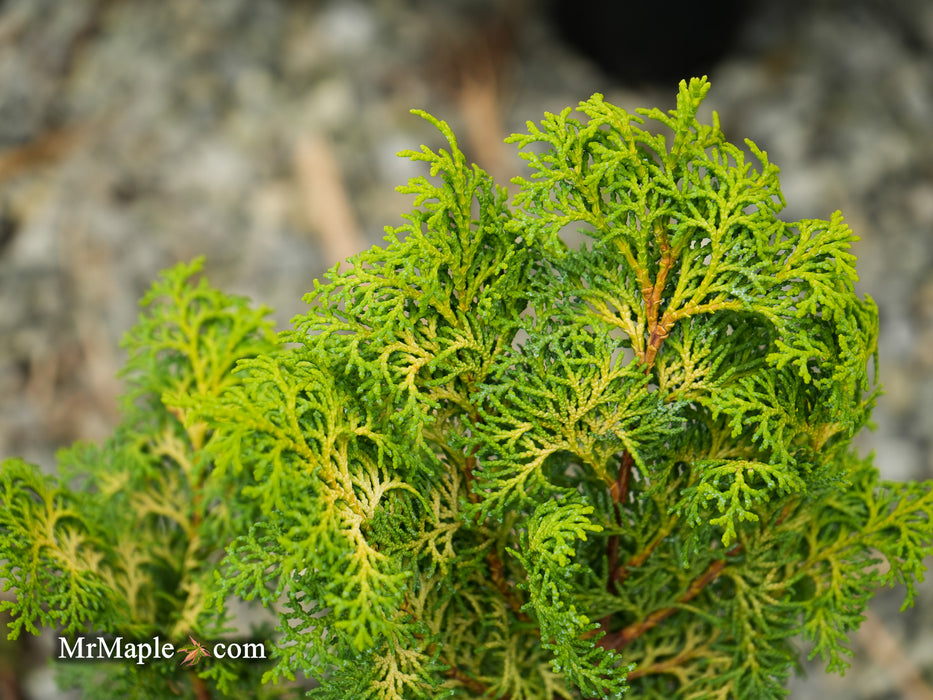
(101, 648)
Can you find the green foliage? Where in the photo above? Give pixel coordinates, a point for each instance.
(492, 463)
(125, 540)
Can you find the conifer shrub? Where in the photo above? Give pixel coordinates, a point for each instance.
(491, 463)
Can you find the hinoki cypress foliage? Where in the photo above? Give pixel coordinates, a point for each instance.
(487, 463)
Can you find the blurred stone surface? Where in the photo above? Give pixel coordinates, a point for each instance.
(136, 134)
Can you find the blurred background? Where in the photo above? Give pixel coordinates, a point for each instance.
(263, 135)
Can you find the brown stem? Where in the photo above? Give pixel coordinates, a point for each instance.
(11, 662)
(493, 560)
(468, 467)
(201, 691)
(9, 685)
(477, 688)
(663, 666)
(621, 573)
(618, 492)
(659, 332)
(652, 294)
(620, 639)
(497, 570)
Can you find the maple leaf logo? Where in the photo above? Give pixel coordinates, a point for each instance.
(194, 653)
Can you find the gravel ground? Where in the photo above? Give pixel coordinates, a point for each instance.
(135, 134)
